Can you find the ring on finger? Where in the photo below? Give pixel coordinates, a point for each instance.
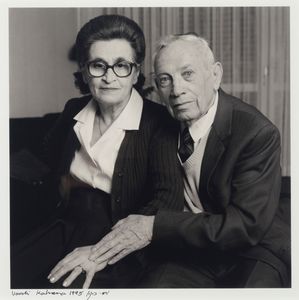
(80, 268)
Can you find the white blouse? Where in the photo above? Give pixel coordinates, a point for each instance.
(94, 165)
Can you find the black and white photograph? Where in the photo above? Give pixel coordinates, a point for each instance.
(148, 150)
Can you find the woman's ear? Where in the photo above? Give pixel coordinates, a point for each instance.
(136, 74)
(217, 73)
(84, 76)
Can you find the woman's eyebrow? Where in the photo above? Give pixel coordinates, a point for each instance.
(98, 59)
(119, 59)
(116, 60)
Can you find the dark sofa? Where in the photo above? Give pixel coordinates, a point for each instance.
(33, 190)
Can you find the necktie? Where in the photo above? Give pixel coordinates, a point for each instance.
(186, 145)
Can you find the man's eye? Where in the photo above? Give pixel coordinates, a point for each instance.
(164, 79)
(188, 74)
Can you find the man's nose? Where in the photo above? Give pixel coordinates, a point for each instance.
(176, 88)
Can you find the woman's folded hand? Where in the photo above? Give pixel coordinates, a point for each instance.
(76, 262)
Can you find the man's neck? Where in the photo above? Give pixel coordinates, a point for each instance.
(189, 123)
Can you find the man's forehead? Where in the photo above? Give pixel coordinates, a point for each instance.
(178, 55)
(180, 46)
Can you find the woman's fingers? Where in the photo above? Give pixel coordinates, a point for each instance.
(63, 269)
(110, 241)
(120, 255)
(101, 266)
(110, 252)
(75, 262)
(107, 238)
(75, 273)
(89, 277)
(67, 259)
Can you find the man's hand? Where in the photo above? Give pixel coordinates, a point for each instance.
(128, 235)
(77, 262)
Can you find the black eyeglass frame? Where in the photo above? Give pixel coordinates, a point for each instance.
(131, 64)
(157, 80)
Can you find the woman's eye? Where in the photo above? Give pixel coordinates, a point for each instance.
(122, 65)
(98, 65)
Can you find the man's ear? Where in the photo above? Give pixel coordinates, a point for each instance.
(217, 73)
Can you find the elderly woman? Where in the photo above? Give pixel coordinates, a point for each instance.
(116, 153)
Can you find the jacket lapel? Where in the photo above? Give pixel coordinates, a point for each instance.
(216, 142)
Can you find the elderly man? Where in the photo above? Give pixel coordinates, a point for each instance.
(230, 234)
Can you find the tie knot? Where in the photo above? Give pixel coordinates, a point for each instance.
(186, 145)
(186, 137)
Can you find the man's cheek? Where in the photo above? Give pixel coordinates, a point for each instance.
(170, 110)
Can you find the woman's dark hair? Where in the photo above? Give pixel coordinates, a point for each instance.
(107, 27)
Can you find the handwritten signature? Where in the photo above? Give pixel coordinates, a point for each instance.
(85, 294)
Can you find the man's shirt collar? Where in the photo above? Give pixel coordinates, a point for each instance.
(200, 128)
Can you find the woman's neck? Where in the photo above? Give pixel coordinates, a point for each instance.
(109, 113)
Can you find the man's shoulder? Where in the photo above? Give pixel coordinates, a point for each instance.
(244, 114)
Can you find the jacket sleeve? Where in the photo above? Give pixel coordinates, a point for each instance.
(255, 188)
(164, 174)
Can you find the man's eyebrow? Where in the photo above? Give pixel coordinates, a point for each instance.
(186, 66)
(164, 73)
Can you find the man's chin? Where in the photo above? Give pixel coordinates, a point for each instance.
(182, 117)
(178, 115)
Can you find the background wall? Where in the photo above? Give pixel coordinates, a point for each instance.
(40, 73)
(252, 43)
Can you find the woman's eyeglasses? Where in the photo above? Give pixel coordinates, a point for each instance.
(98, 68)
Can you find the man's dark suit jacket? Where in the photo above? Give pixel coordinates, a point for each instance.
(147, 174)
(239, 189)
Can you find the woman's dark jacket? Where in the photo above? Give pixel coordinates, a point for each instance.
(146, 175)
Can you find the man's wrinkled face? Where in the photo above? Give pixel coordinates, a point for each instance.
(187, 81)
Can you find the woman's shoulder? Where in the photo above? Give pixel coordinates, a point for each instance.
(156, 114)
(155, 110)
(74, 105)
(153, 105)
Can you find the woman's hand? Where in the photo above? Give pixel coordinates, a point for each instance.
(77, 262)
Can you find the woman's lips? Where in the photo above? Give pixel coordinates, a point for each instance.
(109, 89)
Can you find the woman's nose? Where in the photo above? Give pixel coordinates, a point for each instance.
(109, 75)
